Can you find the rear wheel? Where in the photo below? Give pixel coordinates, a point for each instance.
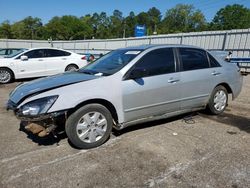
(218, 100)
(6, 75)
(71, 68)
(89, 127)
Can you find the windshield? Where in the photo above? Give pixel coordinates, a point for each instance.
(15, 53)
(2, 52)
(110, 63)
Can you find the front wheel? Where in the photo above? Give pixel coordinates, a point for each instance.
(89, 127)
(6, 76)
(218, 100)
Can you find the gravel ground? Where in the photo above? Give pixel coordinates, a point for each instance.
(206, 151)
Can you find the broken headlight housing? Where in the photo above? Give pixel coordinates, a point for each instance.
(38, 106)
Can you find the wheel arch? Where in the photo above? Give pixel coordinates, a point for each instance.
(71, 64)
(103, 102)
(227, 86)
(9, 70)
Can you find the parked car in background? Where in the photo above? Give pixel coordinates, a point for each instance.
(8, 51)
(89, 57)
(223, 55)
(126, 87)
(38, 62)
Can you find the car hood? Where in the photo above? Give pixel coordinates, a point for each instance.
(44, 84)
(4, 60)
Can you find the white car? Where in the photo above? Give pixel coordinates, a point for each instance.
(38, 62)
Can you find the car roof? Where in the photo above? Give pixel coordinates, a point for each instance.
(144, 47)
(51, 48)
(12, 48)
(46, 48)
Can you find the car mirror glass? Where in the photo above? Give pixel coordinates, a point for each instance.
(24, 58)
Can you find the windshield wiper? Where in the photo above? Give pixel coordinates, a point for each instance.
(87, 72)
(96, 73)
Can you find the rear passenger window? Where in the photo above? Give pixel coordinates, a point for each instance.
(56, 53)
(213, 61)
(193, 59)
(160, 61)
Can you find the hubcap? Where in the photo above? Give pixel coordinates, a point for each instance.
(4, 76)
(220, 100)
(91, 127)
(71, 68)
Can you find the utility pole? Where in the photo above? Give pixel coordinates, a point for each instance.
(32, 33)
(124, 33)
(50, 41)
(155, 30)
(124, 29)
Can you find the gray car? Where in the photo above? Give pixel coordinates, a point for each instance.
(126, 87)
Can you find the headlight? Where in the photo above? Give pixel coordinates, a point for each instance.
(39, 106)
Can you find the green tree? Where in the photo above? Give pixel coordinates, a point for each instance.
(18, 30)
(117, 24)
(67, 28)
(100, 25)
(104, 25)
(231, 17)
(88, 31)
(155, 18)
(5, 30)
(130, 22)
(32, 27)
(28, 28)
(183, 18)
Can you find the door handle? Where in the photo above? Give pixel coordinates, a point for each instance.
(172, 80)
(64, 58)
(40, 59)
(215, 73)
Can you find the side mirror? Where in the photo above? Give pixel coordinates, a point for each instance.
(24, 58)
(136, 73)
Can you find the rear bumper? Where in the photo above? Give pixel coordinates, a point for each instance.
(237, 87)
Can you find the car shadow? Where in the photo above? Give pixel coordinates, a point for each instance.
(51, 140)
(243, 123)
(187, 118)
(45, 141)
(26, 79)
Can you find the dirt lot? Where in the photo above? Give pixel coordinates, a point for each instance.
(206, 151)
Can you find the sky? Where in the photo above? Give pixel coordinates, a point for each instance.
(16, 10)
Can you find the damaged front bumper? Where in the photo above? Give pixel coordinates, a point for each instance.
(42, 124)
(12, 106)
(40, 117)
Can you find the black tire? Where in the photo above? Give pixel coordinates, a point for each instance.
(74, 120)
(212, 103)
(6, 76)
(71, 67)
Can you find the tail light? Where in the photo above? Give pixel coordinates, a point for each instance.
(84, 58)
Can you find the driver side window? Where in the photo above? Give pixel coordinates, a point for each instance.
(39, 53)
(156, 62)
